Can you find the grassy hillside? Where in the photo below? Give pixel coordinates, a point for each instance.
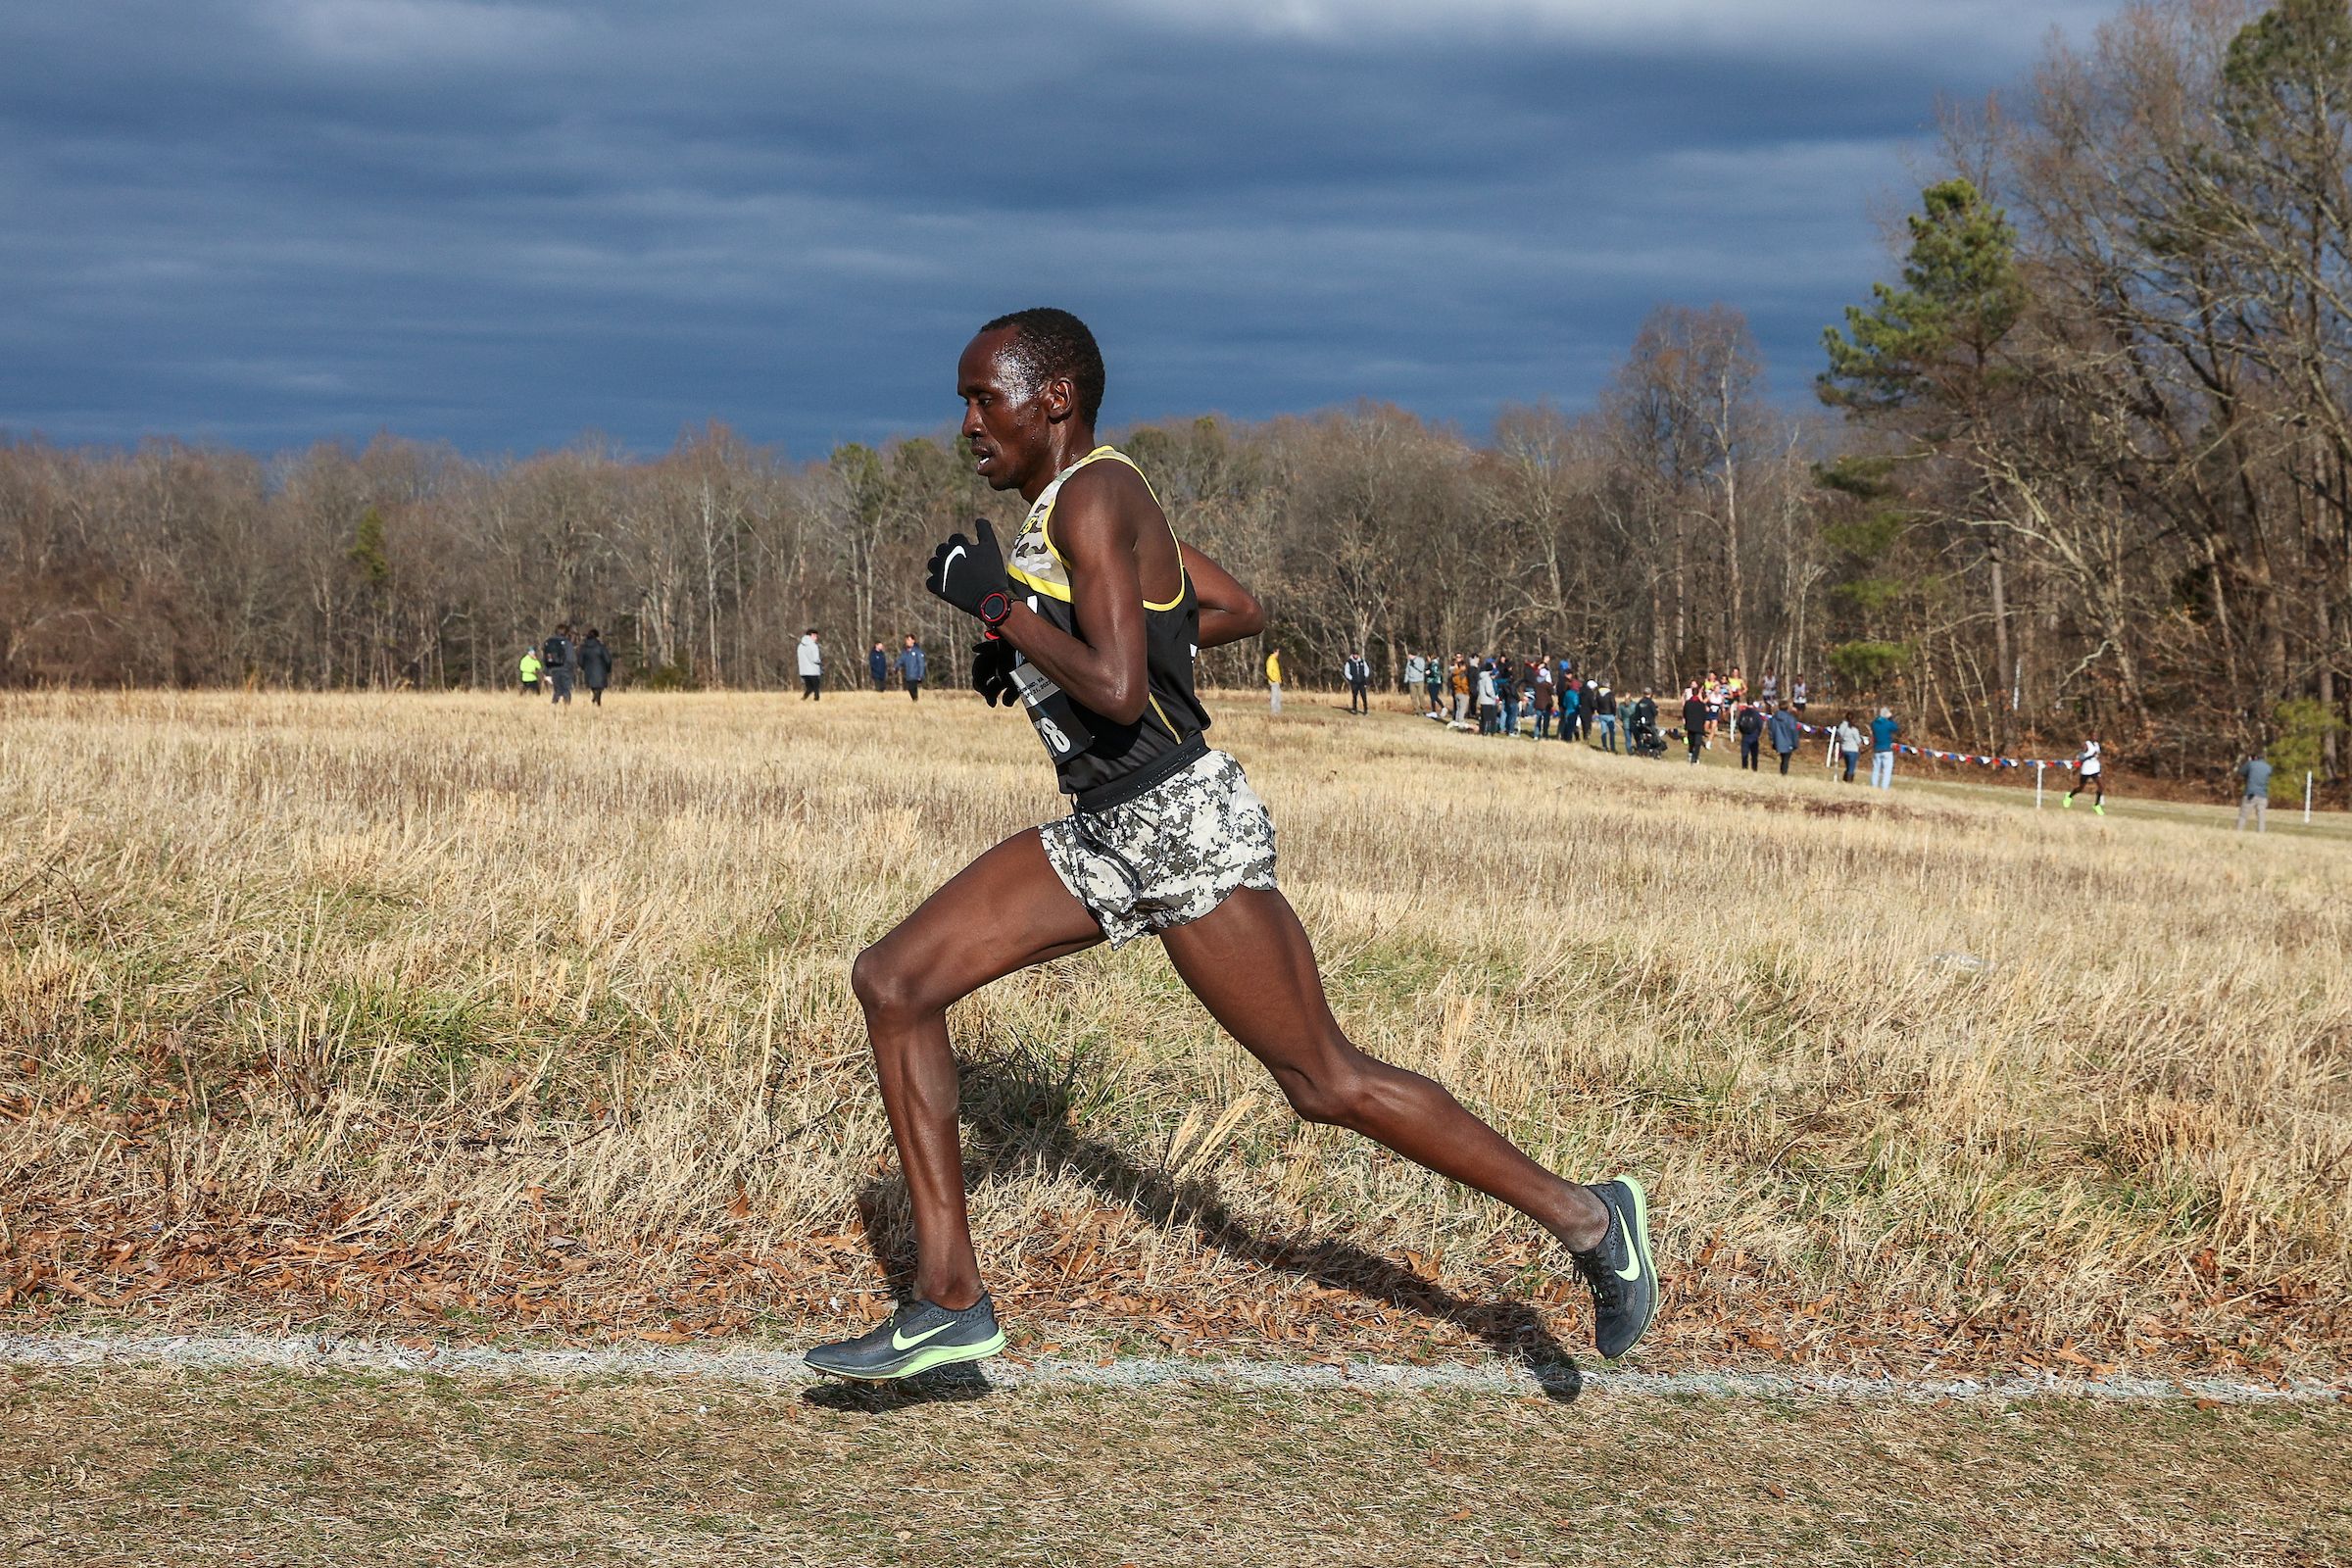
(455, 1010)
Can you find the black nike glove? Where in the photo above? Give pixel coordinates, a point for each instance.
(969, 573)
(992, 671)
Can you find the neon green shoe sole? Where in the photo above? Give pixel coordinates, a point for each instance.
(923, 1361)
(919, 1337)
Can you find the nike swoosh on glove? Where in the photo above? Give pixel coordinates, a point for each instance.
(992, 671)
(969, 573)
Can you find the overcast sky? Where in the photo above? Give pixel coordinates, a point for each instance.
(267, 221)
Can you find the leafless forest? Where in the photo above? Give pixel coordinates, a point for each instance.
(2082, 460)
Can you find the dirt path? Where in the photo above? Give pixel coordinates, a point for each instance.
(103, 1467)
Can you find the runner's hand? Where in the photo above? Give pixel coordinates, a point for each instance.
(969, 573)
(992, 671)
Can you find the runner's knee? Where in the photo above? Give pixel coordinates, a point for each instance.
(1340, 1095)
(884, 989)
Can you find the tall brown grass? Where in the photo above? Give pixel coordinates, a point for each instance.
(457, 1008)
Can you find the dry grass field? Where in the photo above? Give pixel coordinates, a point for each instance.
(154, 1467)
(459, 1016)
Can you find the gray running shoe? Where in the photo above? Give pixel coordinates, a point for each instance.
(918, 1336)
(1623, 1277)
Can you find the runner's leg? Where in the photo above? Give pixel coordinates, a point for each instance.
(1249, 962)
(1005, 912)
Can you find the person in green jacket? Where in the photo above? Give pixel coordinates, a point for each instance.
(531, 669)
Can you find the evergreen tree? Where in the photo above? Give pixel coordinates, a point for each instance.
(1932, 342)
(368, 552)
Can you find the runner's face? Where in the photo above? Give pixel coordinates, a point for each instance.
(1007, 421)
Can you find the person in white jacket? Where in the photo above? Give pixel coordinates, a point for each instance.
(1845, 747)
(813, 667)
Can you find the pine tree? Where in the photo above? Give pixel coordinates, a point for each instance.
(1930, 344)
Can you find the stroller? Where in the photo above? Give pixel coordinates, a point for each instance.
(1641, 739)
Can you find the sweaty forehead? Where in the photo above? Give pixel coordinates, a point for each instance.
(998, 360)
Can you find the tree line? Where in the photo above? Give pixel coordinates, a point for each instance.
(2082, 463)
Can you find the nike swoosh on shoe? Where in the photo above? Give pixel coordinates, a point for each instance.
(899, 1342)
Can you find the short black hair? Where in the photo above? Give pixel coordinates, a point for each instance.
(1054, 345)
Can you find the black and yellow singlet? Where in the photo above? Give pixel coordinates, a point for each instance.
(1123, 759)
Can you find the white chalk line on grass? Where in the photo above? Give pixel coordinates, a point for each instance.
(783, 1368)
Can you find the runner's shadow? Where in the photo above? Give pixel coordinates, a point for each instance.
(1018, 1120)
(948, 1385)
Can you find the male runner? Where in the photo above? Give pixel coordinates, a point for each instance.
(2091, 773)
(1093, 626)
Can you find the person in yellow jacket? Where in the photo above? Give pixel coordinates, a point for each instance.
(1274, 677)
(531, 669)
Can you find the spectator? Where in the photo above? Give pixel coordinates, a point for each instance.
(2090, 769)
(1459, 678)
(1604, 703)
(1544, 698)
(1847, 740)
(557, 653)
(1750, 725)
(1784, 729)
(1645, 723)
(877, 667)
(1414, 671)
(813, 667)
(1882, 731)
(913, 666)
(1433, 680)
(1273, 681)
(2256, 771)
(531, 669)
(596, 667)
(1695, 712)
(1358, 676)
(1490, 701)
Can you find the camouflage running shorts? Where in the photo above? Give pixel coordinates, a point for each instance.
(1170, 855)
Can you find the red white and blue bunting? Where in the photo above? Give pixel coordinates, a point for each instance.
(1960, 757)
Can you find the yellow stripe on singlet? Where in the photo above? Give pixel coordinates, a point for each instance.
(1044, 529)
(1052, 590)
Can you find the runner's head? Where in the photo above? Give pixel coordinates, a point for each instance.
(1031, 384)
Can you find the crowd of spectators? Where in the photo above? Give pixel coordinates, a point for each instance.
(1538, 699)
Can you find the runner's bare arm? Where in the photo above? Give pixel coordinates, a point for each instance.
(1229, 611)
(1094, 529)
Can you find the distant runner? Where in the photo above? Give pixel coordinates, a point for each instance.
(1094, 627)
(2091, 771)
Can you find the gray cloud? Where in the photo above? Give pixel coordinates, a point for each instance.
(501, 225)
